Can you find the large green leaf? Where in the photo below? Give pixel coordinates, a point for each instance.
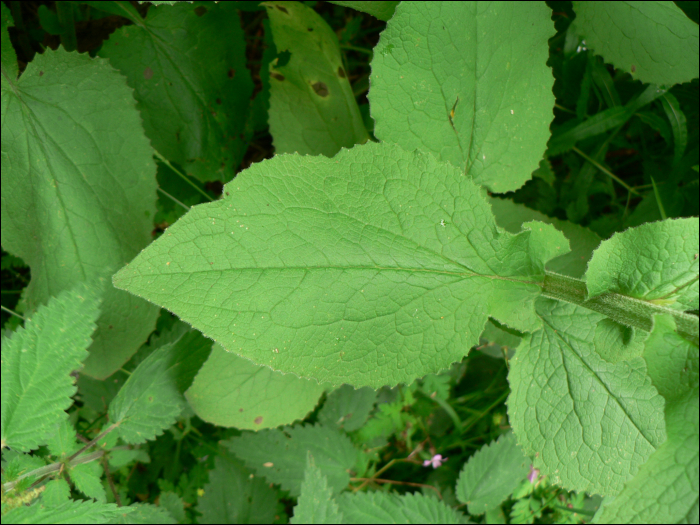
(377, 266)
(37, 361)
(312, 105)
(191, 83)
(233, 392)
(655, 262)
(78, 189)
(588, 423)
(467, 81)
(654, 41)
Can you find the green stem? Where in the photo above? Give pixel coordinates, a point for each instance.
(605, 170)
(626, 310)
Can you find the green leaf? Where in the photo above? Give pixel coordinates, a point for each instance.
(316, 503)
(348, 407)
(588, 424)
(381, 10)
(56, 491)
(87, 478)
(312, 106)
(233, 392)
(234, 495)
(492, 474)
(679, 125)
(69, 512)
(152, 398)
(378, 507)
(63, 441)
(666, 488)
(74, 204)
(654, 41)
(192, 85)
(8, 57)
(377, 266)
(174, 505)
(443, 82)
(37, 361)
(655, 262)
(510, 216)
(280, 455)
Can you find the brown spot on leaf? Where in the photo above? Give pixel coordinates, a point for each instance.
(231, 73)
(110, 327)
(633, 68)
(218, 101)
(277, 76)
(341, 72)
(200, 11)
(320, 89)
(41, 73)
(240, 409)
(148, 73)
(258, 420)
(309, 29)
(283, 9)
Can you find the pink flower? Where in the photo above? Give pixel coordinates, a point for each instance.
(436, 461)
(533, 475)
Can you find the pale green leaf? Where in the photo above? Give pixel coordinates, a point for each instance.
(231, 391)
(510, 216)
(467, 81)
(69, 512)
(588, 424)
(234, 495)
(666, 488)
(37, 361)
(315, 503)
(679, 125)
(78, 190)
(192, 85)
(152, 398)
(312, 106)
(378, 9)
(348, 407)
(655, 262)
(672, 360)
(377, 266)
(492, 474)
(653, 41)
(280, 455)
(87, 478)
(378, 507)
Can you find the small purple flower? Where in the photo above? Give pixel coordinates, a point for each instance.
(533, 475)
(436, 461)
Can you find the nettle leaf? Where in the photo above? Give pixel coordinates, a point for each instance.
(280, 455)
(655, 262)
(192, 85)
(467, 81)
(312, 105)
(653, 41)
(152, 398)
(492, 474)
(375, 267)
(316, 503)
(75, 511)
(588, 424)
(37, 361)
(233, 392)
(235, 495)
(73, 202)
(378, 507)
